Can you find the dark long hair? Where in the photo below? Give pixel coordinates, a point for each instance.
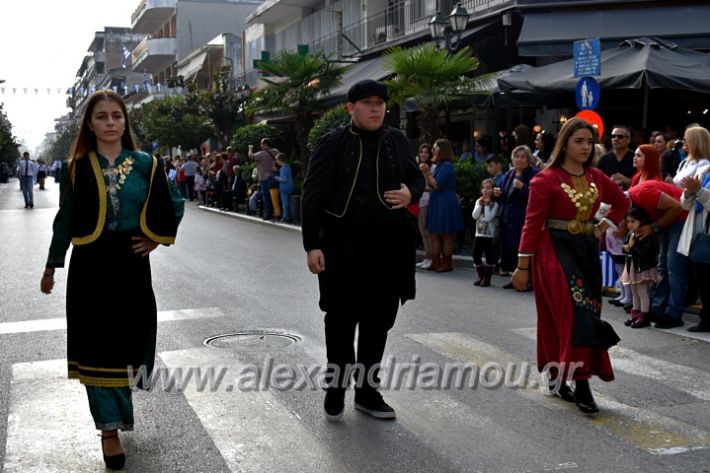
(446, 153)
(639, 214)
(572, 125)
(428, 148)
(86, 140)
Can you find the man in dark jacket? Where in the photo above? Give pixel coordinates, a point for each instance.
(360, 241)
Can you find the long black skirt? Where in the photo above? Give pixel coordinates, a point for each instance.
(111, 313)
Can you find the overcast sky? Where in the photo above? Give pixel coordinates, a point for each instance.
(42, 44)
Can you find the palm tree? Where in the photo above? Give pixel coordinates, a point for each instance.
(435, 80)
(296, 83)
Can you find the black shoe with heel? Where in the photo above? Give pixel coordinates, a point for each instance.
(583, 397)
(113, 462)
(563, 391)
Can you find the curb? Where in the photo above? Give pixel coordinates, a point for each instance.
(461, 261)
(252, 219)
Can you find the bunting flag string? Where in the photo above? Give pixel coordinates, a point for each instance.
(79, 92)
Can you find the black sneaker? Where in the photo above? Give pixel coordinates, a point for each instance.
(334, 404)
(701, 327)
(370, 402)
(669, 322)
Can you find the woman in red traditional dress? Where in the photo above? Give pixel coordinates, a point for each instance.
(559, 247)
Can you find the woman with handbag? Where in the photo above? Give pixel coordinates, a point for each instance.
(695, 238)
(559, 248)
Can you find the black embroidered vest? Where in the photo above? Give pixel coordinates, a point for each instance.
(88, 217)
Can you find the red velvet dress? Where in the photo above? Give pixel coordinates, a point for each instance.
(551, 197)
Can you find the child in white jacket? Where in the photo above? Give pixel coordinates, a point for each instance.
(486, 215)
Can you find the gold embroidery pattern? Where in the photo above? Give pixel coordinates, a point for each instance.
(122, 171)
(583, 195)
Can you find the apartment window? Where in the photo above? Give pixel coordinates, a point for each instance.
(422, 9)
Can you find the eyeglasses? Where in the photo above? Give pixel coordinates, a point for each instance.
(618, 137)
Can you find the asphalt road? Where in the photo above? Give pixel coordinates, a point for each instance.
(227, 275)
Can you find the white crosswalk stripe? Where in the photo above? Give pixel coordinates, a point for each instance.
(50, 427)
(251, 429)
(60, 323)
(683, 378)
(647, 430)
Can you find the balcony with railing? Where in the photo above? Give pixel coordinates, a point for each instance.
(405, 20)
(154, 54)
(151, 15)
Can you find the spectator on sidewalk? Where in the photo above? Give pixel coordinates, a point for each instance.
(285, 180)
(425, 165)
(640, 266)
(619, 163)
(444, 220)
(513, 196)
(265, 160)
(697, 139)
(234, 197)
(647, 163)
(694, 241)
(662, 202)
(190, 170)
(485, 213)
(494, 164)
(483, 149)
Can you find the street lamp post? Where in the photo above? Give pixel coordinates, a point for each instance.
(447, 31)
(243, 93)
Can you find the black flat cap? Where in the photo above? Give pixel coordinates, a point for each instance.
(367, 88)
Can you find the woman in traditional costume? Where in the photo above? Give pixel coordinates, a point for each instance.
(116, 206)
(559, 247)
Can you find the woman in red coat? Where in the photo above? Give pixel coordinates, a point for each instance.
(559, 248)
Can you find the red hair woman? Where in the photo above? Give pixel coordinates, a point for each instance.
(647, 162)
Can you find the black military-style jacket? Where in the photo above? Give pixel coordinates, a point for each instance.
(333, 172)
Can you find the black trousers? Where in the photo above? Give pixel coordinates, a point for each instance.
(701, 271)
(190, 187)
(484, 246)
(373, 315)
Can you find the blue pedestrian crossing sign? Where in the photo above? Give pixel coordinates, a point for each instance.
(587, 58)
(587, 93)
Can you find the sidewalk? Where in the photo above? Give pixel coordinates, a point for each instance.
(463, 260)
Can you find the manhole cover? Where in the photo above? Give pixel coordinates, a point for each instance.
(252, 340)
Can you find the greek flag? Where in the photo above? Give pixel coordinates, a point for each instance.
(125, 54)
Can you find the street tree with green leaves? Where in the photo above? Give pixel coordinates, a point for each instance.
(225, 106)
(61, 146)
(9, 151)
(296, 82)
(173, 121)
(435, 80)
